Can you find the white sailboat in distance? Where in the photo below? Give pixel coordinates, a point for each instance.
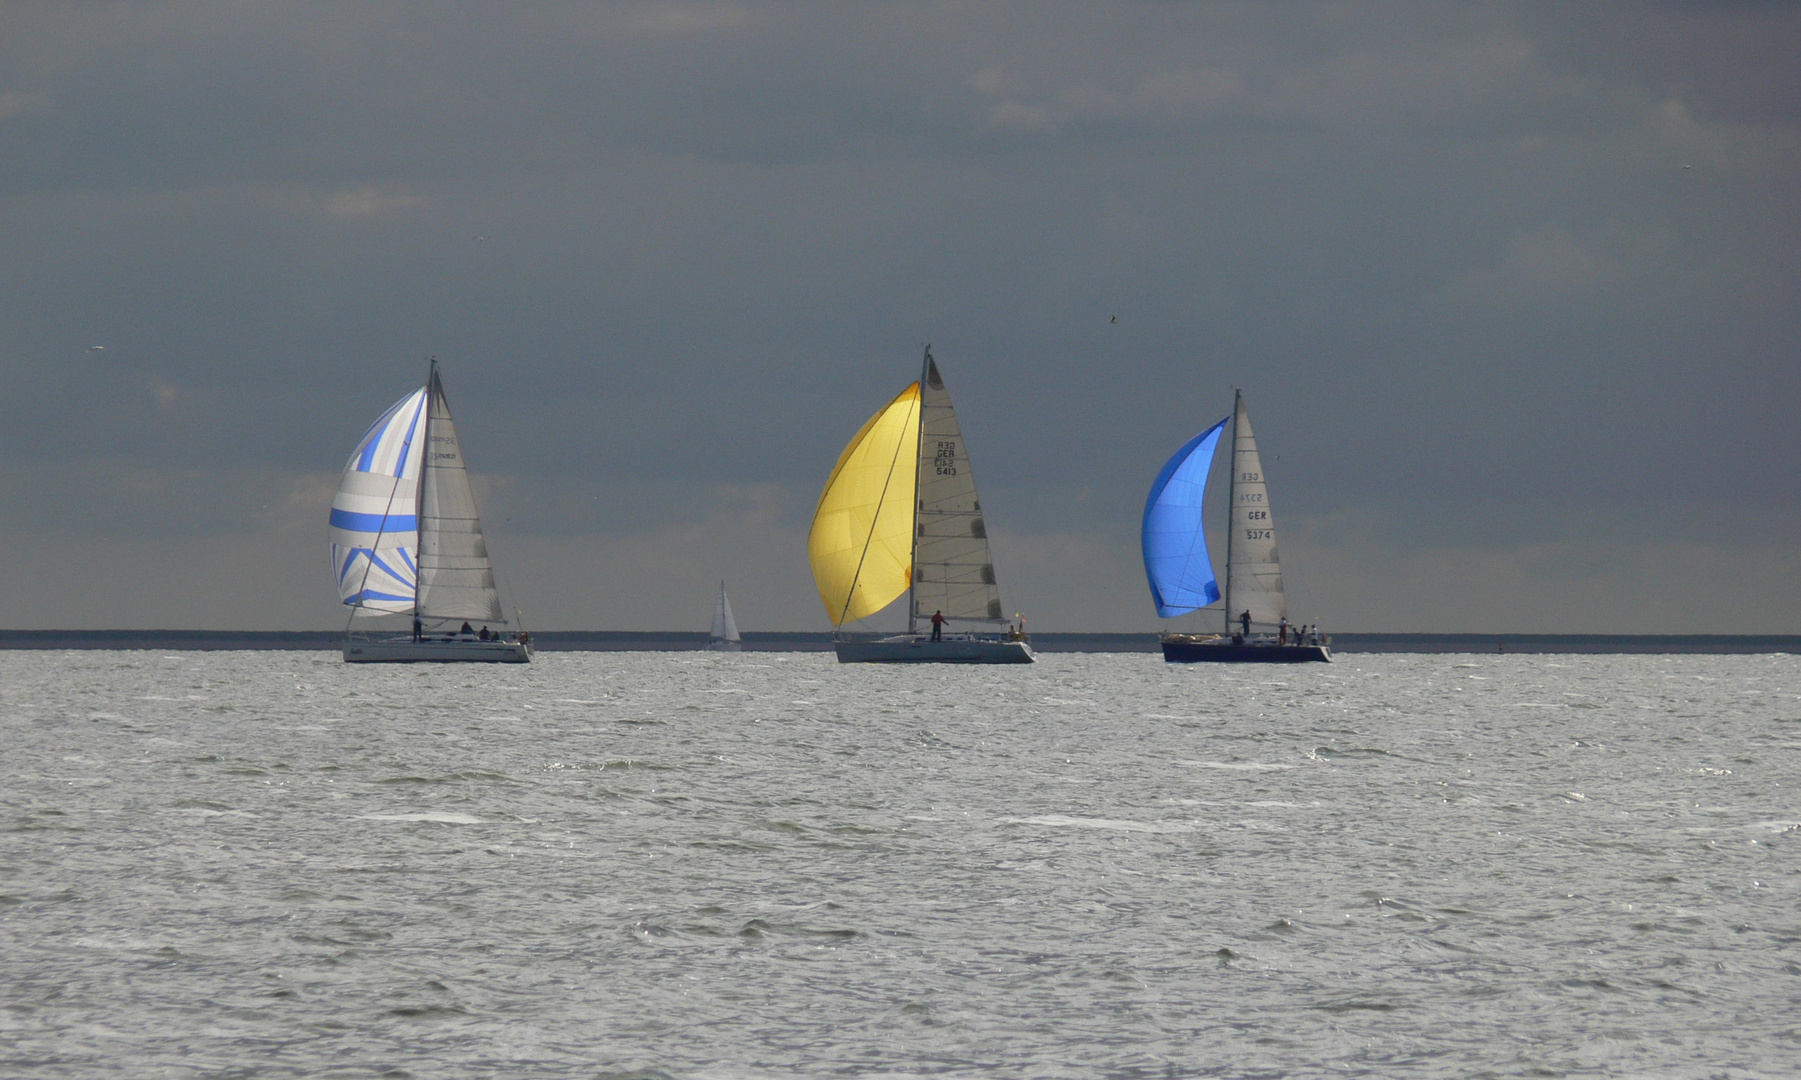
(406, 541)
(725, 628)
(899, 514)
(1181, 572)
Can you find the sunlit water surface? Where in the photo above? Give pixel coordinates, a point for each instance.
(246, 864)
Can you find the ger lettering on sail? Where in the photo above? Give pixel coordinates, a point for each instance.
(900, 514)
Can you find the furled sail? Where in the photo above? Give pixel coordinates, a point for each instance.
(725, 628)
(860, 543)
(374, 523)
(1175, 544)
(952, 570)
(456, 580)
(1253, 572)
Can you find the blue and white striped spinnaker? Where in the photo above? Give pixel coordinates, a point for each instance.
(1175, 546)
(375, 514)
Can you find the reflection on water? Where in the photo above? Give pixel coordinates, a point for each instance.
(706, 865)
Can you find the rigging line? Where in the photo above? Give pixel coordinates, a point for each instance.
(880, 502)
(431, 388)
(914, 528)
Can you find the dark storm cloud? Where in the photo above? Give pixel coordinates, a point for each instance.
(1504, 283)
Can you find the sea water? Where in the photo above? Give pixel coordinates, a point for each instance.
(241, 864)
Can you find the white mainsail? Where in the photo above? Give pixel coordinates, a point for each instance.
(456, 579)
(374, 522)
(952, 570)
(1253, 571)
(725, 628)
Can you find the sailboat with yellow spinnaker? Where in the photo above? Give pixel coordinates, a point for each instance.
(899, 514)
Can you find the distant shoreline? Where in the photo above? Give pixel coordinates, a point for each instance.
(815, 641)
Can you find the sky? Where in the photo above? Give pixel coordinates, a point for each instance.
(1511, 291)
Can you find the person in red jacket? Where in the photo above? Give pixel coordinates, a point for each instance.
(937, 626)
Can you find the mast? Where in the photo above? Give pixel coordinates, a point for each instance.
(1231, 505)
(431, 382)
(913, 533)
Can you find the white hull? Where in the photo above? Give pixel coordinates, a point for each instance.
(455, 651)
(717, 645)
(910, 649)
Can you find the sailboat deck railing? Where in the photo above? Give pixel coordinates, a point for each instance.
(369, 636)
(925, 634)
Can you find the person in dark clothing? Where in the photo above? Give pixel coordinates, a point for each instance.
(937, 626)
(1245, 621)
(484, 634)
(418, 629)
(1282, 631)
(467, 629)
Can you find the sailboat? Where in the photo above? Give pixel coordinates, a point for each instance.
(1181, 571)
(899, 514)
(725, 628)
(406, 540)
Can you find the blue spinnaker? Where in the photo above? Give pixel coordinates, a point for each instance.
(1175, 546)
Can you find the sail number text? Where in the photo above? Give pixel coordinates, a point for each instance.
(1259, 534)
(1250, 478)
(945, 464)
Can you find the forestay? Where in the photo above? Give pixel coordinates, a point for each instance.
(1253, 574)
(456, 579)
(374, 523)
(952, 570)
(1176, 561)
(860, 544)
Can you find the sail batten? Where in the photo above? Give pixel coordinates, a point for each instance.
(1254, 570)
(953, 572)
(456, 577)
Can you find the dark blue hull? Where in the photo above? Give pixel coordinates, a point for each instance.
(1224, 652)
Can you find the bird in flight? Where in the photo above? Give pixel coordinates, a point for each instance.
(1113, 318)
(96, 348)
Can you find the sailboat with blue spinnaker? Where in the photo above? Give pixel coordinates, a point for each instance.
(1180, 570)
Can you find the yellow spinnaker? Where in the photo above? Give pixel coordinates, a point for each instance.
(861, 545)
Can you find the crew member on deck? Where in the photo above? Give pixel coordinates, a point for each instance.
(937, 626)
(418, 629)
(1282, 631)
(467, 629)
(1245, 621)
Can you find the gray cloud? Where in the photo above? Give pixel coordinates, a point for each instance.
(1497, 275)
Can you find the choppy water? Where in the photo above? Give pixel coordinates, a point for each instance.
(271, 864)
